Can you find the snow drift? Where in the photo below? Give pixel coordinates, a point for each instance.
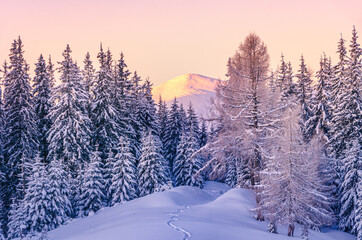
(212, 213)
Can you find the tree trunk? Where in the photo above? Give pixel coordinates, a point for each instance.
(291, 230)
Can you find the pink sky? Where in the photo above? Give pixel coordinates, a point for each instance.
(166, 38)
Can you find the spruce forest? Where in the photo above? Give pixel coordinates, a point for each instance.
(92, 138)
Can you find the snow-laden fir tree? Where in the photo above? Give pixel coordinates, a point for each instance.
(152, 168)
(304, 95)
(124, 177)
(59, 192)
(172, 134)
(2, 168)
(319, 122)
(69, 135)
(162, 115)
(92, 186)
(16, 223)
(350, 117)
(89, 74)
(37, 201)
(135, 113)
(42, 87)
(351, 190)
(337, 90)
(192, 123)
(21, 133)
(183, 118)
(104, 112)
(186, 165)
(122, 100)
(148, 113)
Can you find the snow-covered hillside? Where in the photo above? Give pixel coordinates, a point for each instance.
(187, 88)
(213, 213)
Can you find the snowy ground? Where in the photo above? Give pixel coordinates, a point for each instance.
(215, 212)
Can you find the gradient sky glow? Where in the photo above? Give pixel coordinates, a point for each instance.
(166, 38)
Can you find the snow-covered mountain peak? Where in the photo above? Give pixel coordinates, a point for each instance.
(184, 85)
(189, 87)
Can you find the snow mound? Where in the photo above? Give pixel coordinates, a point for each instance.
(212, 213)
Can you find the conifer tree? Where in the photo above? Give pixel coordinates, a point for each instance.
(152, 167)
(292, 188)
(69, 135)
(319, 122)
(21, 133)
(337, 89)
(148, 114)
(304, 93)
(59, 192)
(104, 112)
(89, 74)
(42, 93)
(192, 123)
(16, 224)
(123, 100)
(92, 186)
(186, 165)
(37, 201)
(124, 177)
(162, 114)
(231, 176)
(173, 133)
(350, 117)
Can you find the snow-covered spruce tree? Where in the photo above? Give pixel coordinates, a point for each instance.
(172, 134)
(2, 160)
(42, 93)
(89, 74)
(21, 132)
(148, 114)
(124, 176)
(183, 118)
(192, 123)
(162, 115)
(123, 101)
(319, 122)
(337, 89)
(59, 193)
(104, 112)
(152, 167)
(231, 176)
(36, 200)
(186, 165)
(293, 191)
(69, 135)
(92, 186)
(135, 113)
(350, 116)
(304, 95)
(16, 223)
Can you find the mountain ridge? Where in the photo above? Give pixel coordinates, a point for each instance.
(186, 88)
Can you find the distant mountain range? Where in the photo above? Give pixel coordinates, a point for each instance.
(187, 88)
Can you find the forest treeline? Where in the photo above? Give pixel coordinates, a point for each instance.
(95, 139)
(293, 137)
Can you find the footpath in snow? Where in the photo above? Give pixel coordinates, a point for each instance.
(182, 213)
